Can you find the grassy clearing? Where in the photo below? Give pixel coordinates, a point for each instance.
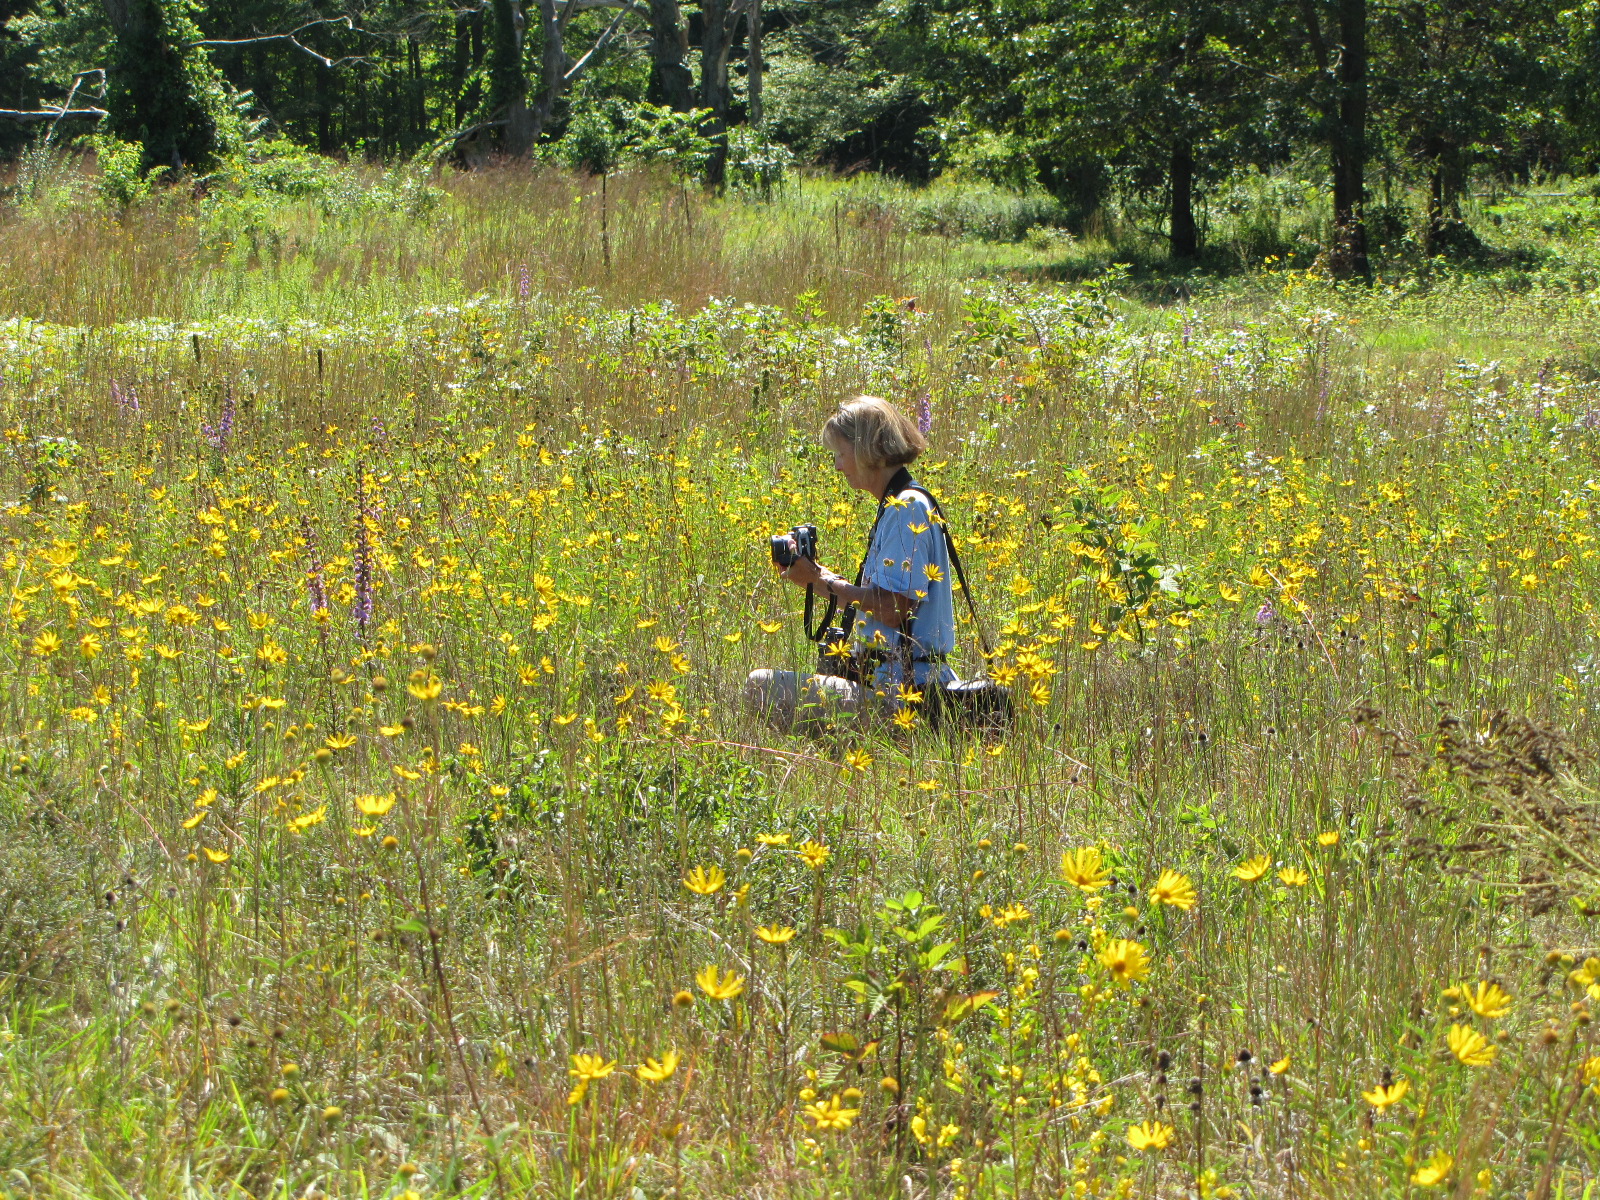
(379, 816)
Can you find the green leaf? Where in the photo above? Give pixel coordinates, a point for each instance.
(840, 1043)
(962, 1007)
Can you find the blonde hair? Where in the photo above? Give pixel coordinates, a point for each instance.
(879, 433)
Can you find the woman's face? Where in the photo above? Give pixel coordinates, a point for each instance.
(844, 461)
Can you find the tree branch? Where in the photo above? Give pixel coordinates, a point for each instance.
(600, 44)
(451, 140)
(50, 114)
(292, 38)
(586, 5)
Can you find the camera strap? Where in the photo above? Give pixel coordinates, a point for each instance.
(847, 622)
(910, 484)
(820, 630)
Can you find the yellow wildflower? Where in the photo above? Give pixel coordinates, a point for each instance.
(653, 1071)
(720, 987)
(1385, 1096)
(832, 1114)
(814, 854)
(1174, 889)
(1252, 870)
(1151, 1135)
(1489, 1000)
(703, 881)
(1084, 869)
(1469, 1046)
(1433, 1172)
(1126, 960)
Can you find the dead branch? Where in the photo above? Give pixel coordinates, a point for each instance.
(451, 140)
(292, 38)
(50, 114)
(600, 44)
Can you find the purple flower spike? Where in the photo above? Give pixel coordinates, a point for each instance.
(127, 402)
(218, 435)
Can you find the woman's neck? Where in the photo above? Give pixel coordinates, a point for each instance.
(876, 481)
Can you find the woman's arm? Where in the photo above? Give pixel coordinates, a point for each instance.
(889, 607)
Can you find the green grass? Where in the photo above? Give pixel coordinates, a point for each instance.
(1378, 508)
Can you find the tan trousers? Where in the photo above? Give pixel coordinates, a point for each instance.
(788, 700)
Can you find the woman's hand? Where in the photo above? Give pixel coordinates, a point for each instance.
(802, 572)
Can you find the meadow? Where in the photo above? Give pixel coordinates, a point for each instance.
(379, 818)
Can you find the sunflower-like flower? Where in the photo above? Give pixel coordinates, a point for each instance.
(1387, 1095)
(1151, 1135)
(1489, 1000)
(1433, 1172)
(718, 986)
(586, 1069)
(1253, 870)
(375, 806)
(703, 881)
(814, 854)
(1469, 1046)
(1126, 960)
(1174, 889)
(654, 1071)
(832, 1114)
(1085, 869)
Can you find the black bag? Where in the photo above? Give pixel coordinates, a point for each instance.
(834, 657)
(965, 704)
(980, 704)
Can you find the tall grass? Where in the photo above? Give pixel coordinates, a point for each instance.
(375, 637)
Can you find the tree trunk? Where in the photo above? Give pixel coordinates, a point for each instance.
(419, 88)
(1348, 259)
(671, 83)
(1446, 232)
(714, 43)
(753, 63)
(325, 140)
(1185, 237)
(159, 84)
(508, 80)
(552, 71)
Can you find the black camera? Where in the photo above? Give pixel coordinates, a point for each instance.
(805, 545)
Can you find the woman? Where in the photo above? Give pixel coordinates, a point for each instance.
(903, 606)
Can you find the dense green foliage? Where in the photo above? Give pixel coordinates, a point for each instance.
(1156, 108)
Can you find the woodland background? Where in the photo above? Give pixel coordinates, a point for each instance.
(1156, 106)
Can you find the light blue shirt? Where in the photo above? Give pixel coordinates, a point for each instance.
(909, 556)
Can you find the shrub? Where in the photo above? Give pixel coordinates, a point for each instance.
(121, 182)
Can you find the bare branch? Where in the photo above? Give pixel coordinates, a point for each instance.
(50, 114)
(292, 38)
(451, 140)
(600, 44)
(586, 5)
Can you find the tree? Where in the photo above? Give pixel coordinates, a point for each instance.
(1166, 94)
(1461, 84)
(18, 88)
(1335, 35)
(671, 82)
(163, 91)
(508, 80)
